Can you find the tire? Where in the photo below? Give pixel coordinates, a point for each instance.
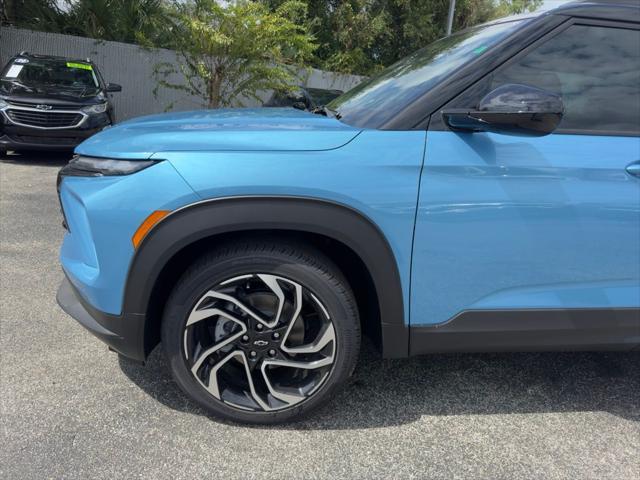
(261, 332)
(3, 153)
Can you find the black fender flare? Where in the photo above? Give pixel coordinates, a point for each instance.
(208, 218)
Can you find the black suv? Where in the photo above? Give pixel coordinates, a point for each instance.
(51, 103)
(303, 98)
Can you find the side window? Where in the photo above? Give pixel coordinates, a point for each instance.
(595, 69)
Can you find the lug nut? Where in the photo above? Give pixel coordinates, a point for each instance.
(276, 336)
(259, 326)
(272, 352)
(253, 354)
(245, 338)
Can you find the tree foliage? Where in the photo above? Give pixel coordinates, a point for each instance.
(42, 15)
(362, 36)
(130, 21)
(352, 36)
(230, 52)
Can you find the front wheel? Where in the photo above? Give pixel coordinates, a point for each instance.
(261, 332)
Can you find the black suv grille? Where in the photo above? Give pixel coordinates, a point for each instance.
(33, 105)
(44, 119)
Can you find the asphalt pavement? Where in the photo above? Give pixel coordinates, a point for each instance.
(72, 409)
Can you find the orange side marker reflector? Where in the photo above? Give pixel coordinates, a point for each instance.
(147, 225)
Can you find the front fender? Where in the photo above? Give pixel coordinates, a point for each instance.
(209, 218)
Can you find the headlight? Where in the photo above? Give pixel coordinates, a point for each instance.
(99, 108)
(98, 167)
(3, 103)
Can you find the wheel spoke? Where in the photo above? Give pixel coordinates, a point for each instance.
(280, 395)
(296, 313)
(310, 365)
(248, 310)
(271, 281)
(213, 373)
(205, 313)
(252, 387)
(214, 388)
(209, 351)
(327, 336)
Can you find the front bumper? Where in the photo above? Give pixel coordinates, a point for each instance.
(124, 334)
(29, 141)
(20, 137)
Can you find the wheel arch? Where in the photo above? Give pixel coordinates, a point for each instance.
(341, 232)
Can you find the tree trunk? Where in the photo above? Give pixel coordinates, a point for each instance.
(214, 87)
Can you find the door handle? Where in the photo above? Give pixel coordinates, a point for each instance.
(634, 169)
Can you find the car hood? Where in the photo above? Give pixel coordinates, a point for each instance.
(263, 129)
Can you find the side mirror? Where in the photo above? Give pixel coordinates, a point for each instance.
(511, 109)
(113, 87)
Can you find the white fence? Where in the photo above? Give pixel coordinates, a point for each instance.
(132, 67)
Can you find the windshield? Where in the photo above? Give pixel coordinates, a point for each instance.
(77, 78)
(375, 101)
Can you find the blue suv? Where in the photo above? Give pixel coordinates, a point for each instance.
(482, 194)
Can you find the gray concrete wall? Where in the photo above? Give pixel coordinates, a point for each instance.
(132, 67)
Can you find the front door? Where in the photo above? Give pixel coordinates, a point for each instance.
(549, 223)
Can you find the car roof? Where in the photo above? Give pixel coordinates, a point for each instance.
(605, 2)
(625, 10)
(35, 56)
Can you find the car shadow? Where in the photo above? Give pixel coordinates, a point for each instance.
(394, 392)
(42, 159)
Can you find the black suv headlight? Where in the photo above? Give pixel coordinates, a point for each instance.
(98, 108)
(81, 166)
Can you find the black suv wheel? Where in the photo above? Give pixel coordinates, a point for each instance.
(261, 332)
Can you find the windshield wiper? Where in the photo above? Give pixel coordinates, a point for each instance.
(16, 83)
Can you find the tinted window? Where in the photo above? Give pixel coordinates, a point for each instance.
(375, 101)
(311, 97)
(45, 73)
(596, 70)
(321, 96)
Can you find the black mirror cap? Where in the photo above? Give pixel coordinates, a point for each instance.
(511, 109)
(113, 87)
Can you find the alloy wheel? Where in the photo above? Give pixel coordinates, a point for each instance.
(259, 342)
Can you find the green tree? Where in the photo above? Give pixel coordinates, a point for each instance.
(130, 21)
(362, 36)
(233, 51)
(351, 36)
(43, 15)
(356, 27)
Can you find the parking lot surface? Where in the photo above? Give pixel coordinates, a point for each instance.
(71, 409)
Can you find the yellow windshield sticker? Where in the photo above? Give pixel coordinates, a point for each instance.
(84, 66)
